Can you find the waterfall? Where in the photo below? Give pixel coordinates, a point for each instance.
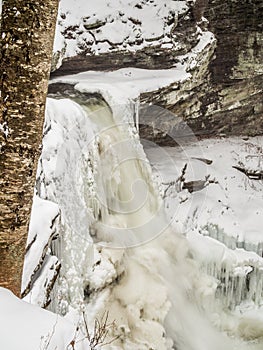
(119, 252)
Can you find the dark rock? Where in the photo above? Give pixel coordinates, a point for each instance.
(224, 96)
(151, 57)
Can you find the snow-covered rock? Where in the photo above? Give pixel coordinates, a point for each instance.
(223, 205)
(119, 25)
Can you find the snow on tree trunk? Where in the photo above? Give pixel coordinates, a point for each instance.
(27, 32)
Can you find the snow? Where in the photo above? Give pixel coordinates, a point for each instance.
(223, 221)
(45, 277)
(4, 129)
(25, 326)
(126, 81)
(41, 231)
(115, 25)
(233, 203)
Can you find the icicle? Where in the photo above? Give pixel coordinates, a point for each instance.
(136, 113)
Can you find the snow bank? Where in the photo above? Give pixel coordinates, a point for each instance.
(25, 326)
(222, 220)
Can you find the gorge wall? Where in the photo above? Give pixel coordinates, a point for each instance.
(224, 97)
(224, 94)
(234, 101)
(237, 70)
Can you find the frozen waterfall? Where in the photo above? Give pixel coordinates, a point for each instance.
(118, 248)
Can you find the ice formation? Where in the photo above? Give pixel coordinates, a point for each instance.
(160, 290)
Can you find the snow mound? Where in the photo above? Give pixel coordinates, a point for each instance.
(25, 326)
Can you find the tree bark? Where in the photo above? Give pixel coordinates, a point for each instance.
(27, 32)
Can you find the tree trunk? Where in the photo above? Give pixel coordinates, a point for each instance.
(27, 32)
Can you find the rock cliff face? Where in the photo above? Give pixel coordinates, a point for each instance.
(238, 27)
(224, 95)
(237, 70)
(116, 34)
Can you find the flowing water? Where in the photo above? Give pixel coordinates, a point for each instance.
(139, 269)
